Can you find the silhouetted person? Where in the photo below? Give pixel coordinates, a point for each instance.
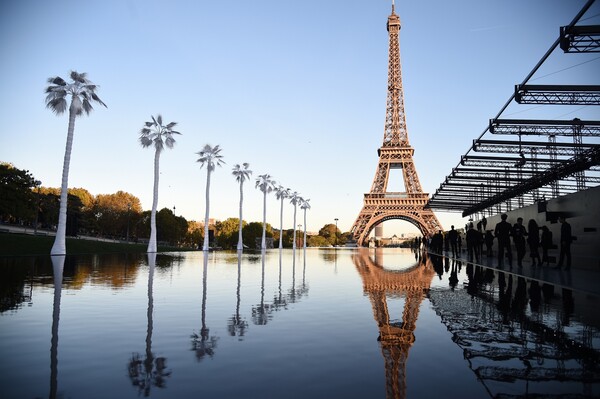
(446, 242)
(484, 223)
(489, 242)
(533, 239)
(519, 234)
(473, 239)
(546, 244)
(453, 238)
(503, 232)
(565, 243)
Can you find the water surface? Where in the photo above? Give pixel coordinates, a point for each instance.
(319, 323)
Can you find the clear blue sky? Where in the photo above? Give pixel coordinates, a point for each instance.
(295, 88)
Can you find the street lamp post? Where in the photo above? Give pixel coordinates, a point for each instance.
(37, 183)
(336, 234)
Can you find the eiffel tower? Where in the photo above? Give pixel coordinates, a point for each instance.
(395, 153)
(395, 336)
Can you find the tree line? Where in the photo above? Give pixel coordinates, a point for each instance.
(25, 202)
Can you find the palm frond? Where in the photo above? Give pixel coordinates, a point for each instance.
(79, 77)
(97, 99)
(158, 134)
(170, 142)
(87, 107)
(305, 204)
(57, 105)
(57, 80)
(145, 141)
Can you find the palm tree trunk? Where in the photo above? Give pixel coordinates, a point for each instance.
(294, 226)
(152, 242)
(305, 228)
(281, 225)
(205, 246)
(59, 247)
(240, 244)
(264, 232)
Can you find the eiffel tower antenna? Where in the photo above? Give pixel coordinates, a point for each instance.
(395, 153)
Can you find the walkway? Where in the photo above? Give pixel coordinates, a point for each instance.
(577, 279)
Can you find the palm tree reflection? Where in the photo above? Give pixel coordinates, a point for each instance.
(237, 325)
(150, 370)
(202, 344)
(261, 313)
(58, 264)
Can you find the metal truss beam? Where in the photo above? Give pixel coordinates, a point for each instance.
(518, 147)
(580, 39)
(486, 161)
(580, 163)
(558, 94)
(575, 127)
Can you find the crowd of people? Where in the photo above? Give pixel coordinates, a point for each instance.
(533, 237)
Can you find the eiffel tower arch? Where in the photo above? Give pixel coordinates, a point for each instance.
(395, 153)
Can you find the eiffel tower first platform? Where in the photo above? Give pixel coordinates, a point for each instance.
(395, 153)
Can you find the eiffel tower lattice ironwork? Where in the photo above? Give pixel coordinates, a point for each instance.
(396, 336)
(395, 153)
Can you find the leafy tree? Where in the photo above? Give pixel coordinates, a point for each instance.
(211, 157)
(17, 200)
(194, 234)
(318, 241)
(330, 232)
(82, 93)
(170, 227)
(114, 212)
(159, 135)
(254, 230)
(226, 232)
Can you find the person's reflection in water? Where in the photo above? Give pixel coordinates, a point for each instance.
(453, 279)
(535, 296)
(568, 306)
(438, 265)
(504, 296)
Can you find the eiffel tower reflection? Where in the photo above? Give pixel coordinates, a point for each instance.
(396, 337)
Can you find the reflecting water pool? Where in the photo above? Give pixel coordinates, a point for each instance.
(319, 323)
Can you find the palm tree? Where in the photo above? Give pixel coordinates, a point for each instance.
(265, 183)
(305, 205)
(211, 157)
(160, 135)
(281, 194)
(241, 175)
(295, 199)
(82, 93)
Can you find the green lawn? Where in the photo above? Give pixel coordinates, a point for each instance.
(12, 244)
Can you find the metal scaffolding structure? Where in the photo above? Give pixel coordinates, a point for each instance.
(518, 162)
